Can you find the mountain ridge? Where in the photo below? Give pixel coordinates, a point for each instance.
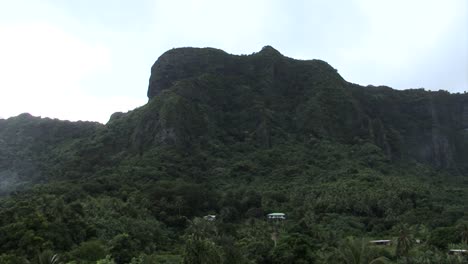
(448, 113)
(195, 94)
(238, 137)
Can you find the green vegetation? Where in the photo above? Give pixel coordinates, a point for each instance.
(240, 137)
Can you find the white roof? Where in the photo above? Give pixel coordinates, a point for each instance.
(276, 214)
(381, 241)
(459, 250)
(210, 216)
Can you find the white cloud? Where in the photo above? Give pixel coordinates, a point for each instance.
(399, 29)
(44, 55)
(403, 42)
(235, 26)
(78, 105)
(42, 68)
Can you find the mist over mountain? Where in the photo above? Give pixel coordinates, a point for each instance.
(238, 137)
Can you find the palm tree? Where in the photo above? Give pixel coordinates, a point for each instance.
(463, 228)
(200, 228)
(201, 251)
(48, 257)
(405, 241)
(357, 251)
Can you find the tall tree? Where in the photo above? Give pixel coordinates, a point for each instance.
(405, 241)
(357, 251)
(463, 228)
(48, 257)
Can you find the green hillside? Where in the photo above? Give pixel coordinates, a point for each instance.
(240, 137)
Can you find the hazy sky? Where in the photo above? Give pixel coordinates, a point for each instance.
(85, 59)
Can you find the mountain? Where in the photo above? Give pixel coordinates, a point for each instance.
(309, 98)
(237, 136)
(27, 143)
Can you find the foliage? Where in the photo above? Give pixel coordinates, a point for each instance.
(107, 260)
(357, 251)
(89, 252)
(240, 137)
(405, 241)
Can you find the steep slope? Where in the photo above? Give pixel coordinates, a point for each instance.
(269, 98)
(427, 126)
(30, 146)
(201, 98)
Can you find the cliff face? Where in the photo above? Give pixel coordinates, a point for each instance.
(250, 93)
(427, 126)
(204, 100)
(274, 97)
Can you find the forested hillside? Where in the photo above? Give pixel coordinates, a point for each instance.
(240, 137)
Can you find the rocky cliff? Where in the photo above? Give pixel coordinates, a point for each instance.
(202, 99)
(273, 97)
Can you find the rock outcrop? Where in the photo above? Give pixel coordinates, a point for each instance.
(283, 97)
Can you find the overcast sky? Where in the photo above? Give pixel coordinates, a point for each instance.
(84, 60)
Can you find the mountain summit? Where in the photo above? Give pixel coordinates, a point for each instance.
(184, 63)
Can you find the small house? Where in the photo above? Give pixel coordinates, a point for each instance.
(458, 252)
(276, 216)
(209, 217)
(381, 242)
